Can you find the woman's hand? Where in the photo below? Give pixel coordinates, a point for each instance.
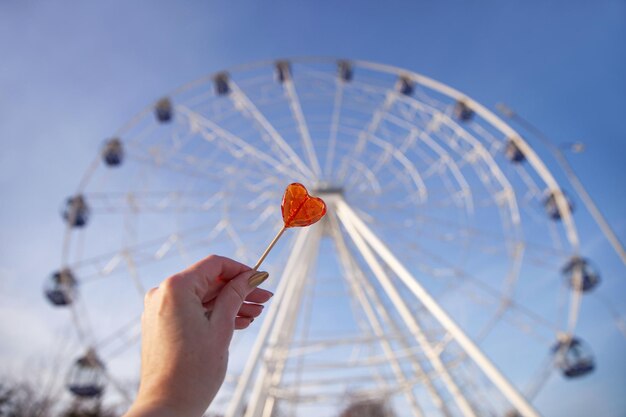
(187, 326)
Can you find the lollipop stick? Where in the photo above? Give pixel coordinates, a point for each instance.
(269, 248)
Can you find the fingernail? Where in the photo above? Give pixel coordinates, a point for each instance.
(258, 278)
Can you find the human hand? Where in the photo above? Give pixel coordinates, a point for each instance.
(187, 326)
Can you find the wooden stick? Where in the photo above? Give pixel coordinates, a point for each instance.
(269, 248)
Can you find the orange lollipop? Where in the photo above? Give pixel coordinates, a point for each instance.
(299, 210)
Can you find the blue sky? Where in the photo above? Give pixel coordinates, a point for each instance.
(71, 73)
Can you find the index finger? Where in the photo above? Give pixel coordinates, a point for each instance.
(210, 274)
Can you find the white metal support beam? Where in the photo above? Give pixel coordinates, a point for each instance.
(368, 293)
(334, 126)
(296, 271)
(242, 102)
(281, 299)
(210, 130)
(285, 334)
(296, 110)
(363, 136)
(348, 216)
(349, 270)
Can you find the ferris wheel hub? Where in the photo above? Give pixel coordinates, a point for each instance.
(328, 190)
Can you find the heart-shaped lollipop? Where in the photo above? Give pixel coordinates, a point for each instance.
(299, 209)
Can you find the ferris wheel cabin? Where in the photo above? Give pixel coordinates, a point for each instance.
(220, 84)
(573, 357)
(581, 274)
(463, 112)
(163, 110)
(113, 152)
(552, 208)
(76, 211)
(60, 287)
(283, 71)
(86, 379)
(345, 71)
(513, 152)
(405, 85)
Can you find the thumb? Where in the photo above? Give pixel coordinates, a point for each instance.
(229, 300)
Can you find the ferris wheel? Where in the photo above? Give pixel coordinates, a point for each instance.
(446, 278)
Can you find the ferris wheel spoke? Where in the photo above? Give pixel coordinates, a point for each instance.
(247, 107)
(262, 219)
(124, 344)
(134, 273)
(370, 127)
(106, 264)
(153, 202)
(362, 170)
(124, 392)
(187, 169)
(410, 169)
(435, 168)
(305, 135)
(450, 164)
(165, 202)
(118, 333)
(178, 167)
(409, 140)
(334, 128)
(241, 251)
(398, 182)
(144, 258)
(163, 153)
(237, 147)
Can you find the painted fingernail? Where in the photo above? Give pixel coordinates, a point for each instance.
(258, 278)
